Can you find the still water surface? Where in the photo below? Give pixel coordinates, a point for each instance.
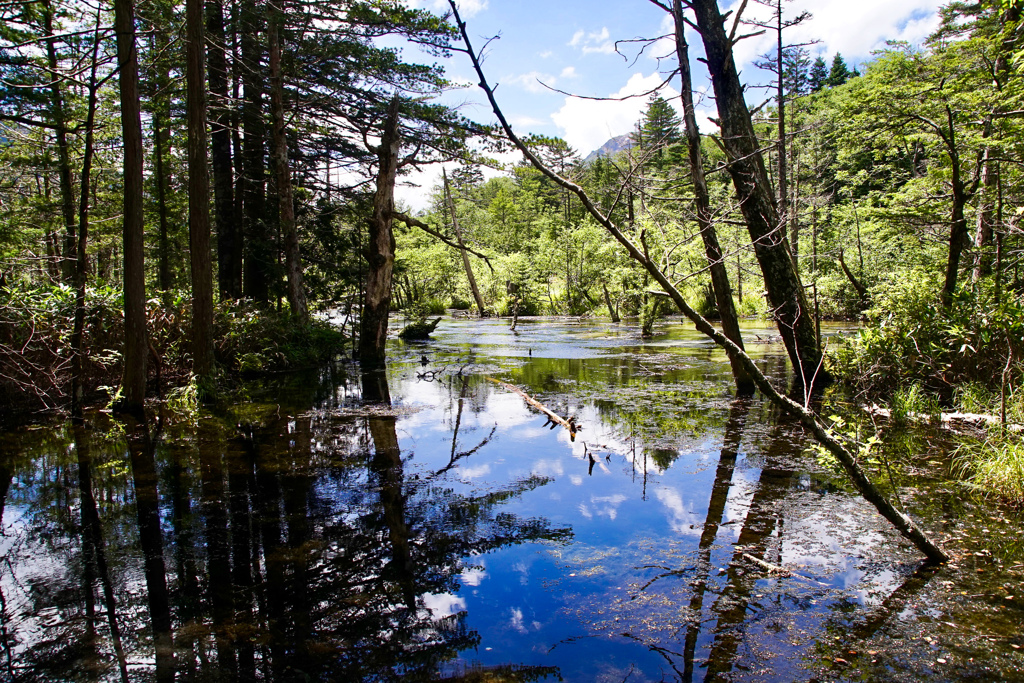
(427, 524)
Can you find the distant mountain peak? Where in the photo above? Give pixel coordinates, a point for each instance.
(611, 148)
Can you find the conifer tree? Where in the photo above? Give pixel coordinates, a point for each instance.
(839, 73)
(818, 77)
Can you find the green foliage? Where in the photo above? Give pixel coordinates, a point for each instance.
(913, 340)
(250, 339)
(995, 465)
(183, 401)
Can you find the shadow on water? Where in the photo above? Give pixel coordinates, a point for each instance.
(424, 524)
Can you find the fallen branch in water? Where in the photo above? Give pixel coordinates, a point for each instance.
(569, 424)
(776, 570)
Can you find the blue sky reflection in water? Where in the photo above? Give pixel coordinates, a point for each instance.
(621, 596)
(307, 534)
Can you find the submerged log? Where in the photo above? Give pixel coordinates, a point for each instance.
(421, 329)
(553, 417)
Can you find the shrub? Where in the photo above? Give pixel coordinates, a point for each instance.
(912, 339)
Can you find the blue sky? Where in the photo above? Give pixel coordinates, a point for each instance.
(569, 44)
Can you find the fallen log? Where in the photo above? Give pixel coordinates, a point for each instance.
(947, 420)
(552, 416)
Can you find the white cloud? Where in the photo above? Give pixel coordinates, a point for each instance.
(547, 54)
(444, 605)
(533, 81)
(520, 122)
(472, 577)
(596, 42)
(468, 474)
(588, 124)
(467, 8)
(516, 622)
(682, 519)
(569, 72)
(855, 34)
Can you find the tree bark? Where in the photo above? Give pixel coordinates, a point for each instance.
(481, 309)
(160, 137)
(285, 194)
(380, 252)
(986, 212)
(258, 257)
(767, 230)
(136, 343)
(220, 151)
(81, 262)
(958, 233)
(59, 120)
(198, 193)
(612, 312)
(702, 202)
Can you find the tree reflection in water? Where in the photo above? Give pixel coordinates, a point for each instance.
(296, 548)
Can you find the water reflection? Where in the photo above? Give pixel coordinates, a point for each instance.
(425, 524)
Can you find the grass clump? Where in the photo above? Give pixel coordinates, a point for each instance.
(995, 466)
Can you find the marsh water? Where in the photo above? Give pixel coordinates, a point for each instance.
(427, 524)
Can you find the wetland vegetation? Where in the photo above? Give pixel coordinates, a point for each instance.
(264, 422)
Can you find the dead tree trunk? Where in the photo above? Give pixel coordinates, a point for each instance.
(380, 252)
(462, 249)
(81, 264)
(754, 191)
(712, 249)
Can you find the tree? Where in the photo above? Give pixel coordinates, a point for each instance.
(136, 340)
(760, 212)
(198, 194)
(702, 202)
(839, 73)
(818, 77)
(285, 194)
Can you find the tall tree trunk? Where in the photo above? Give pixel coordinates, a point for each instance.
(958, 233)
(746, 166)
(59, 120)
(462, 248)
(220, 150)
(238, 167)
(136, 343)
(380, 252)
(613, 313)
(160, 138)
(198, 193)
(780, 98)
(794, 214)
(986, 211)
(702, 201)
(258, 256)
(81, 263)
(285, 194)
